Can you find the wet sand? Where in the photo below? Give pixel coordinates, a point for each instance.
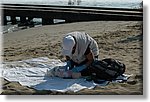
(122, 40)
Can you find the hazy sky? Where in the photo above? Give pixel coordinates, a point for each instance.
(67, 0)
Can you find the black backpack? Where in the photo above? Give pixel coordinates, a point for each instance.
(107, 69)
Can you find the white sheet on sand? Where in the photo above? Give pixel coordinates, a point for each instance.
(32, 73)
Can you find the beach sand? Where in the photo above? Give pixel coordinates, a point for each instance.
(122, 40)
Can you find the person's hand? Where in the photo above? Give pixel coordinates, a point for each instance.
(76, 75)
(68, 65)
(79, 68)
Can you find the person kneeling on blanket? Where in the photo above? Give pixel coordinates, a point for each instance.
(80, 51)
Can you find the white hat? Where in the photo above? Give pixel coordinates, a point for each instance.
(67, 44)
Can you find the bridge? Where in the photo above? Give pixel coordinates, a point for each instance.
(68, 13)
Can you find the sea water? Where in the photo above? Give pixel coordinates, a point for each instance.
(135, 4)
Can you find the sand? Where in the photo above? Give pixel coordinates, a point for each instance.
(122, 40)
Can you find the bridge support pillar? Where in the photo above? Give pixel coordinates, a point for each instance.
(47, 21)
(30, 22)
(23, 19)
(4, 20)
(30, 19)
(13, 20)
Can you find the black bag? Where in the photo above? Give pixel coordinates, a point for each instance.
(107, 69)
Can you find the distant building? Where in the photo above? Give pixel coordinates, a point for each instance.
(78, 2)
(74, 2)
(70, 2)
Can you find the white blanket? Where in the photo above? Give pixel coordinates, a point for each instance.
(32, 73)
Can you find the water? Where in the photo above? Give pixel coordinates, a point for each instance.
(90, 3)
